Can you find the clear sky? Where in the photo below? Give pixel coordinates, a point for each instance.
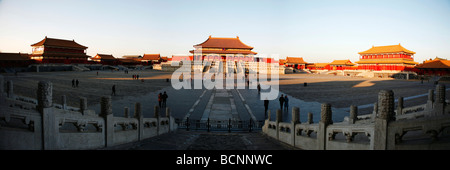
(317, 30)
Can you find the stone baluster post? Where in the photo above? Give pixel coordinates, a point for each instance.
(295, 120)
(44, 94)
(375, 110)
(126, 112)
(9, 89)
(106, 113)
(83, 105)
(400, 106)
(385, 115)
(64, 102)
(295, 115)
(156, 115)
(439, 102)
(50, 126)
(310, 118)
(430, 100)
(140, 117)
(325, 120)
(169, 118)
(279, 118)
(2, 85)
(353, 114)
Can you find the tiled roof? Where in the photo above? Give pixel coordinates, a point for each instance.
(58, 43)
(13, 56)
(320, 64)
(387, 61)
(295, 60)
(443, 64)
(224, 52)
(219, 42)
(151, 57)
(56, 54)
(126, 60)
(131, 56)
(342, 62)
(104, 57)
(181, 57)
(387, 49)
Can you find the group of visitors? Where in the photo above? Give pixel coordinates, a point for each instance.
(135, 76)
(75, 83)
(162, 98)
(284, 101)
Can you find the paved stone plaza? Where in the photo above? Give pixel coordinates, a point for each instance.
(218, 104)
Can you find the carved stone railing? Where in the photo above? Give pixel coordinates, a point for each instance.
(41, 124)
(418, 127)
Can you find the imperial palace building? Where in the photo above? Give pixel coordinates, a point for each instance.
(392, 57)
(216, 49)
(52, 50)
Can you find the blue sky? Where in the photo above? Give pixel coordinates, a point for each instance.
(318, 31)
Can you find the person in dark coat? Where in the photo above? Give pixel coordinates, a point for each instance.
(73, 82)
(281, 102)
(164, 99)
(286, 103)
(259, 88)
(266, 107)
(77, 82)
(159, 99)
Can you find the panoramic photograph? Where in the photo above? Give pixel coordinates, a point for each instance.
(224, 78)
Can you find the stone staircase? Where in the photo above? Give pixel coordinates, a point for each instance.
(80, 68)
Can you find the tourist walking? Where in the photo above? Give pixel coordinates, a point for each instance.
(259, 88)
(77, 82)
(281, 102)
(286, 103)
(73, 82)
(113, 90)
(164, 99)
(159, 99)
(266, 107)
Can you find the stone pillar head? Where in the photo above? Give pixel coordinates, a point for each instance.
(126, 112)
(295, 115)
(353, 113)
(386, 105)
(431, 95)
(440, 93)
(310, 118)
(10, 89)
(106, 108)
(137, 110)
(325, 114)
(279, 116)
(44, 94)
(83, 104)
(167, 112)
(2, 85)
(156, 111)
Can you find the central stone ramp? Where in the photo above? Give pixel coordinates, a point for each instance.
(221, 106)
(190, 140)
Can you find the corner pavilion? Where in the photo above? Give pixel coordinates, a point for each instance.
(52, 50)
